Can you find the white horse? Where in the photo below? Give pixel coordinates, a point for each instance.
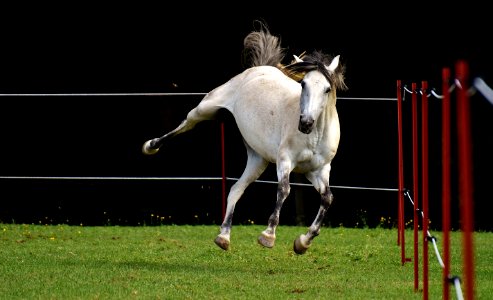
(286, 115)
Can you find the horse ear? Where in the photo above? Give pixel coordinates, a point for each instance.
(297, 59)
(333, 65)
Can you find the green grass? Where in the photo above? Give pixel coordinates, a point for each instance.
(182, 262)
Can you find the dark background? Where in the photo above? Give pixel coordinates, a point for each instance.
(189, 48)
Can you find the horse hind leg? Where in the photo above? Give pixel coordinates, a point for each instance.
(304, 241)
(152, 146)
(255, 166)
(206, 110)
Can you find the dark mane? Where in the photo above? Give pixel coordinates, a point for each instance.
(317, 61)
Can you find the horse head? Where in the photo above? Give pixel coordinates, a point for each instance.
(317, 86)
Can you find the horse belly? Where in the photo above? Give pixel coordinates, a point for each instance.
(260, 132)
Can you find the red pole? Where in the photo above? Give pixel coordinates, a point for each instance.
(424, 182)
(415, 183)
(446, 181)
(223, 172)
(465, 175)
(400, 212)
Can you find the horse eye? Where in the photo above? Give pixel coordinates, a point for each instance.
(327, 90)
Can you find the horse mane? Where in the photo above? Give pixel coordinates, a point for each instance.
(317, 60)
(261, 48)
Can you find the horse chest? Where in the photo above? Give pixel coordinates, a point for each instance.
(309, 159)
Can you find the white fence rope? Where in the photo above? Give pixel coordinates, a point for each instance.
(165, 178)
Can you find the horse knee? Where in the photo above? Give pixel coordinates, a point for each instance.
(283, 191)
(327, 198)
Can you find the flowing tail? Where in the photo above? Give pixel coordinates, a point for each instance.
(263, 49)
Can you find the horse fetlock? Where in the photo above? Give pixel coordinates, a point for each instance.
(301, 244)
(147, 148)
(267, 239)
(314, 231)
(222, 241)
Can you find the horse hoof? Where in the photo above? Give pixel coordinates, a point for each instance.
(222, 242)
(299, 247)
(267, 240)
(146, 148)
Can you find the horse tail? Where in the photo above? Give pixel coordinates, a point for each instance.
(262, 48)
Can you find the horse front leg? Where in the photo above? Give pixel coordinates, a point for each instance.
(304, 241)
(268, 236)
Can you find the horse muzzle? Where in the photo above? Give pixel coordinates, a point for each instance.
(305, 125)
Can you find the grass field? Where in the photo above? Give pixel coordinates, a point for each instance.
(182, 262)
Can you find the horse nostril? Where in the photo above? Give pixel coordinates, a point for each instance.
(305, 125)
(306, 121)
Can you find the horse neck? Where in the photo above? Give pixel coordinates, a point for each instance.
(327, 114)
